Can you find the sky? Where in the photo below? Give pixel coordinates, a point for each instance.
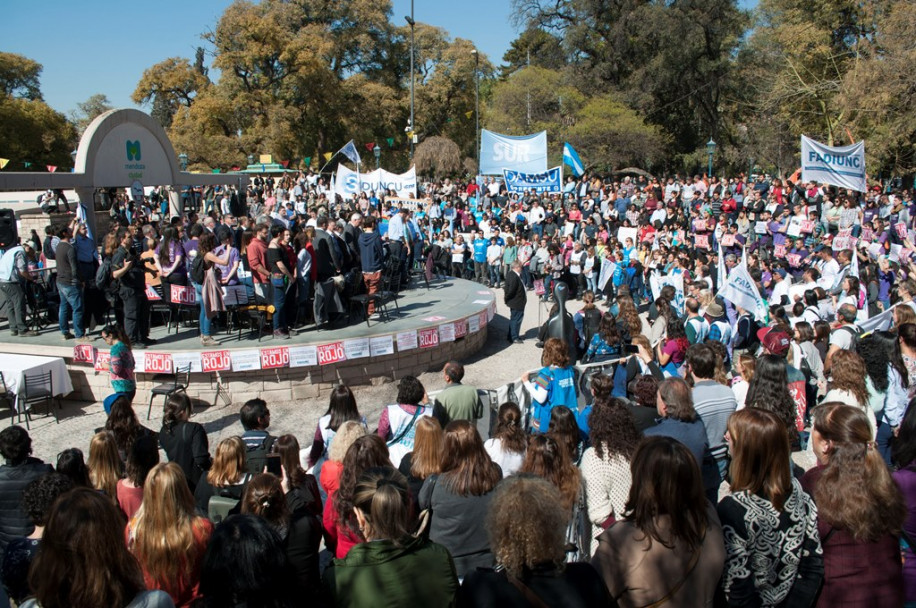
(101, 46)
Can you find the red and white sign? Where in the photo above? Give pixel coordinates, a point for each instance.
(84, 353)
(273, 358)
(700, 225)
(483, 319)
(794, 259)
(102, 361)
(701, 241)
(157, 363)
(331, 353)
(215, 361)
(901, 230)
(461, 328)
(183, 295)
(728, 240)
(428, 337)
(151, 294)
(807, 226)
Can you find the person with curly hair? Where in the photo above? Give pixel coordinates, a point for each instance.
(606, 465)
(847, 384)
(629, 320)
(347, 433)
(669, 547)
(123, 424)
(644, 390)
(526, 526)
(769, 390)
(548, 459)
(887, 382)
(565, 430)
(555, 384)
(508, 443)
(860, 511)
(606, 342)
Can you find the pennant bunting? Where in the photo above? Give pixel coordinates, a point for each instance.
(390, 141)
(307, 161)
(370, 145)
(4, 162)
(469, 114)
(327, 156)
(27, 165)
(52, 168)
(285, 164)
(216, 170)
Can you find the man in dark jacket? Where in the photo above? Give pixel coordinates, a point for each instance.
(327, 259)
(515, 298)
(371, 255)
(20, 470)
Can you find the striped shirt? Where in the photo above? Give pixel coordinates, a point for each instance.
(714, 403)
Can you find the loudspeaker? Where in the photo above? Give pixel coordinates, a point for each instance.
(9, 235)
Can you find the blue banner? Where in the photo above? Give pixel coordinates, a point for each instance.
(526, 154)
(549, 181)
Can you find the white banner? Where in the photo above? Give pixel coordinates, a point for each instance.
(527, 153)
(657, 281)
(842, 166)
(348, 183)
(741, 290)
(607, 271)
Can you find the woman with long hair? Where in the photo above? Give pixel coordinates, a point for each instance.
(306, 271)
(426, 457)
(526, 527)
(167, 537)
(459, 497)
(508, 443)
(669, 547)
(299, 530)
(227, 475)
(170, 262)
(564, 428)
(300, 488)
(606, 465)
(903, 456)
(347, 433)
(629, 319)
(105, 466)
(554, 384)
(887, 383)
(770, 523)
(745, 365)
(393, 567)
(549, 459)
(906, 337)
(672, 350)
(860, 511)
(183, 441)
(342, 407)
(206, 251)
(71, 464)
(142, 457)
(340, 525)
(83, 561)
(769, 390)
(606, 342)
(847, 384)
(122, 423)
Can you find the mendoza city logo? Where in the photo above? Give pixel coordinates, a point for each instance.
(133, 150)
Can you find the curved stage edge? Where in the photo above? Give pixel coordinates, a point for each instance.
(447, 321)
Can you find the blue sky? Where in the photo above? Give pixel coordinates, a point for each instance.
(101, 46)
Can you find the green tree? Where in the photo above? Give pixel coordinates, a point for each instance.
(19, 76)
(170, 85)
(534, 46)
(88, 110)
(437, 157)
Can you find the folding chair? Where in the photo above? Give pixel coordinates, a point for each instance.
(178, 383)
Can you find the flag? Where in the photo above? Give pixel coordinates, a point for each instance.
(390, 141)
(370, 145)
(234, 168)
(4, 162)
(27, 164)
(307, 161)
(350, 152)
(744, 256)
(285, 164)
(854, 265)
(571, 158)
(740, 290)
(52, 168)
(469, 114)
(327, 157)
(216, 170)
(720, 267)
(607, 271)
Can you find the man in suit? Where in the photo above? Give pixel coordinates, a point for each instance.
(515, 298)
(327, 258)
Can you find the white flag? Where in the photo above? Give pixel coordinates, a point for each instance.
(720, 267)
(741, 290)
(607, 271)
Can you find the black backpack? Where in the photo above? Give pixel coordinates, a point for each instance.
(47, 249)
(591, 319)
(198, 271)
(853, 332)
(256, 457)
(103, 278)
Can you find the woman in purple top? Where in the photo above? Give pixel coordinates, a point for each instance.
(228, 273)
(903, 455)
(170, 262)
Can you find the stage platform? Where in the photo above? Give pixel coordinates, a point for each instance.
(446, 321)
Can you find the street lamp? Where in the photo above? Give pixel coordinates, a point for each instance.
(477, 104)
(377, 150)
(710, 151)
(183, 161)
(412, 24)
(251, 159)
(73, 156)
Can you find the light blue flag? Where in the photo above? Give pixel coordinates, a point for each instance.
(350, 152)
(571, 158)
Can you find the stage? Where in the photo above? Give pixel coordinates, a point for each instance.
(446, 321)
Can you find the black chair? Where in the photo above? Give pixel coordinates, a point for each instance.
(175, 383)
(356, 295)
(389, 288)
(38, 388)
(10, 398)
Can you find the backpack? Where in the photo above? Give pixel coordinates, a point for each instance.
(47, 249)
(853, 332)
(198, 271)
(103, 277)
(256, 457)
(591, 319)
(749, 340)
(225, 501)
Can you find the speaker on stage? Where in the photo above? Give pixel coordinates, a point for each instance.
(9, 235)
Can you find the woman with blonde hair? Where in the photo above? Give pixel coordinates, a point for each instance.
(167, 537)
(526, 526)
(426, 457)
(348, 432)
(227, 475)
(105, 467)
(769, 522)
(848, 385)
(300, 531)
(860, 511)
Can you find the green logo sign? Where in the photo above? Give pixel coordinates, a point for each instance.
(133, 150)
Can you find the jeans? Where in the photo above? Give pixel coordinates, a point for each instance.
(205, 329)
(591, 280)
(526, 277)
(885, 440)
(71, 301)
(515, 324)
(278, 286)
(494, 274)
(248, 282)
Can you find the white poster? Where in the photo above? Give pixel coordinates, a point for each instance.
(246, 360)
(182, 360)
(407, 340)
(473, 324)
(608, 268)
(381, 345)
(303, 356)
(447, 332)
(656, 282)
(357, 349)
(626, 233)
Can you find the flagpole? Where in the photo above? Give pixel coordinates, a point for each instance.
(329, 162)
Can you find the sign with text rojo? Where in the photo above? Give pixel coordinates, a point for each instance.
(842, 166)
(526, 153)
(551, 181)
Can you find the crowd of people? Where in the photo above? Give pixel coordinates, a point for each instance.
(667, 478)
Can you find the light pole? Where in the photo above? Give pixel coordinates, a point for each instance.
(477, 105)
(710, 151)
(183, 161)
(377, 150)
(251, 159)
(410, 130)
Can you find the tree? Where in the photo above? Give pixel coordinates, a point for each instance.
(534, 47)
(610, 135)
(437, 157)
(170, 85)
(88, 110)
(19, 77)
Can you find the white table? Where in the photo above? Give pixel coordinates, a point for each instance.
(15, 368)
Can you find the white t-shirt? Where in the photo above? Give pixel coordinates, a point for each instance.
(509, 462)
